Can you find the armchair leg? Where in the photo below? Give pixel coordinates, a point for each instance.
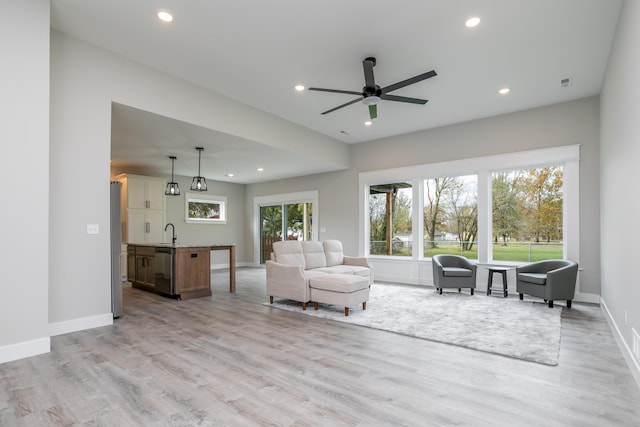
(346, 311)
(521, 297)
(304, 305)
(471, 291)
(364, 305)
(550, 303)
(440, 291)
(459, 290)
(568, 303)
(270, 300)
(315, 305)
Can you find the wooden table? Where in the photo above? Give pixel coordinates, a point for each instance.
(232, 263)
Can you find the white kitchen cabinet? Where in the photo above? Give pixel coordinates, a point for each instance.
(142, 192)
(143, 209)
(145, 226)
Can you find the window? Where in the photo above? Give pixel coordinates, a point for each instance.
(451, 216)
(205, 209)
(527, 206)
(390, 219)
(504, 208)
(278, 217)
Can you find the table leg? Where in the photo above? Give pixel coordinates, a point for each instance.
(232, 269)
(504, 283)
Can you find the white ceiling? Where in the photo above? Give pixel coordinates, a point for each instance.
(255, 51)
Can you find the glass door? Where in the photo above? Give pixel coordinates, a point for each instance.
(290, 221)
(270, 229)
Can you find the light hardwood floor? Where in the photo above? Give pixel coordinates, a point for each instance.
(229, 360)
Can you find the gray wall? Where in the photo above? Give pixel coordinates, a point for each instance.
(568, 123)
(85, 81)
(24, 216)
(231, 232)
(619, 160)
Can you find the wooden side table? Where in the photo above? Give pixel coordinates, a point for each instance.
(503, 272)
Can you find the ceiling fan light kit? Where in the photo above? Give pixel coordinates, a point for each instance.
(199, 183)
(172, 187)
(372, 94)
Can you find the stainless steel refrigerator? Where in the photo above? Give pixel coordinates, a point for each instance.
(116, 250)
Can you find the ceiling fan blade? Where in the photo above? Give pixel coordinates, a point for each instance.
(343, 105)
(373, 111)
(369, 81)
(387, 97)
(348, 92)
(408, 82)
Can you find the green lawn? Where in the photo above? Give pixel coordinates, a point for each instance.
(523, 252)
(517, 252)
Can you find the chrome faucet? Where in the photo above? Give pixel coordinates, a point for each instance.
(173, 232)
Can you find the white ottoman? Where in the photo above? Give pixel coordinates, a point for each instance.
(339, 289)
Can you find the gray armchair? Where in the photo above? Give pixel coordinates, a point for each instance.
(453, 271)
(551, 280)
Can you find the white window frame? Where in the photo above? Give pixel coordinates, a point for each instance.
(205, 198)
(567, 156)
(284, 199)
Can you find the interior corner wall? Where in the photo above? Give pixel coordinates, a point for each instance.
(620, 156)
(575, 122)
(85, 81)
(24, 43)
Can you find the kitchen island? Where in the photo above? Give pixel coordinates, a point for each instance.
(180, 271)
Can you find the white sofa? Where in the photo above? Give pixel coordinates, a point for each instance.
(294, 265)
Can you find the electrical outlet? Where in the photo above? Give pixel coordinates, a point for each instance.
(93, 229)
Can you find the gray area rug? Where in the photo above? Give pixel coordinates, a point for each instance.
(507, 326)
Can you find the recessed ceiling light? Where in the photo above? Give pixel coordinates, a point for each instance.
(368, 123)
(260, 169)
(165, 16)
(230, 175)
(299, 88)
(504, 91)
(472, 22)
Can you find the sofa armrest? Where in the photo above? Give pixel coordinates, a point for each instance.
(564, 276)
(360, 261)
(287, 281)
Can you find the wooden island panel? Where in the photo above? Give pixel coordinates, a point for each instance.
(192, 272)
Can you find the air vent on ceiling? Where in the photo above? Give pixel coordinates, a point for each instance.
(565, 82)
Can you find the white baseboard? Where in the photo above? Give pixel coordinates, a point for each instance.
(25, 349)
(634, 367)
(81, 324)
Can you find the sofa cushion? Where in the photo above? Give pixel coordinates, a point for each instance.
(289, 252)
(336, 269)
(313, 252)
(456, 272)
(333, 252)
(357, 270)
(535, 278)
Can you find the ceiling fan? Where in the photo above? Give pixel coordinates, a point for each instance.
(372, 93)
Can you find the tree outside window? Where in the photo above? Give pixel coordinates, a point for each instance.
(527, 207)
(390, 219)
(451, 216)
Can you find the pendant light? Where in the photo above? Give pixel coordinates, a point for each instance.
(199, 183)
(172, 187)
